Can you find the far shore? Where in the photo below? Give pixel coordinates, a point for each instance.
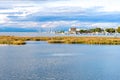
(53, 34)
(18, 40)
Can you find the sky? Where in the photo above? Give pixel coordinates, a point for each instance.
(59, 13)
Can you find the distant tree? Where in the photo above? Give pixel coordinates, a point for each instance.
(118, 29)
(110, 30)
(83, 31)
(92, 30)
(96, 30)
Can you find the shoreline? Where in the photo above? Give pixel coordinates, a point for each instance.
(46, 34)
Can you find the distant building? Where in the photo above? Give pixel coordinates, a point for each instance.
(72, 30)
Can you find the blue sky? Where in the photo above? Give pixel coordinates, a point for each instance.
(59, 13)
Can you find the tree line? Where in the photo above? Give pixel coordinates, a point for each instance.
(100, 30)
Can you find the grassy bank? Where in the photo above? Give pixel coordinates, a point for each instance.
(14, 40)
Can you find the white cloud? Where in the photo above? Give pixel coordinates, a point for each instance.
(21, 24)
(106, 25)
(20, 10)
(54, 24)
(16, 9)
(108, 5)
(62, 24)
(3, 18)
(23, 9)
(76, 7)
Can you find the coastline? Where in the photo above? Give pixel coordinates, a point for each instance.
(52, 34)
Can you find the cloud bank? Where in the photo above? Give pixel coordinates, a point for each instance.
(60, 13)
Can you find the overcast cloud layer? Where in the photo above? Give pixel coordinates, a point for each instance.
(59, 13)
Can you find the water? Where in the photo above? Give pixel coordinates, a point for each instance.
(42, 61)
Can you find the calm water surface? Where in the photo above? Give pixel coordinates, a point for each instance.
(42, 61)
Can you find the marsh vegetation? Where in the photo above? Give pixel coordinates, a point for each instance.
(14, 40)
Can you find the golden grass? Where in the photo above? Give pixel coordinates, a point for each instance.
(15, 40)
